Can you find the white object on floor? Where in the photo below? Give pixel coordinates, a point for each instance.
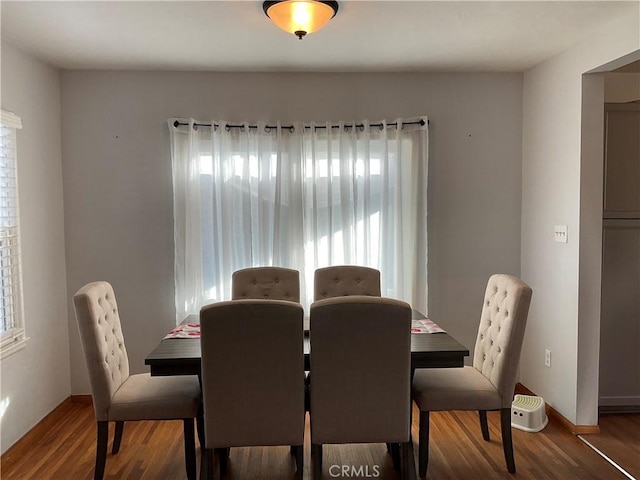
(614, 464)
(528, 413)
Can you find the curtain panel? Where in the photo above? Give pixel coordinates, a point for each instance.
(301, 196)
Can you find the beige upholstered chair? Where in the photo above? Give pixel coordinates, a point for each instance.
(118, 396)
(361, 368)
(252, 377)
(342, 280)
(269, 283)
(489, 383)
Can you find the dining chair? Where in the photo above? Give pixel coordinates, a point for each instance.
(488, 384)
(119, 396)
(269, 283)
(274, 283)
(340, 280)
(252, 377)
(361, 368)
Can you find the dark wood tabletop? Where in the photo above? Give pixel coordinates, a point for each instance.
(181, 356)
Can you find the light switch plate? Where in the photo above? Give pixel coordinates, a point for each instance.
(560, 234)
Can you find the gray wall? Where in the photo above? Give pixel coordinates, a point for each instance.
(117, 177)
(621, 87)
(36, 379)
(562, 185)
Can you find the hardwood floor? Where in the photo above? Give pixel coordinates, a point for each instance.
(619, 439)
(62, 447)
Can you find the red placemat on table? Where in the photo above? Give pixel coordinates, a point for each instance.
(425, 325)
(188, 330)
(192, 330)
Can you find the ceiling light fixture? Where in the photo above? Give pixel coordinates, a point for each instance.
(300, 16)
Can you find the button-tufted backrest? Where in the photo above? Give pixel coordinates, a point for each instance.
(501, 332)
(102, 342)
(341, 280)
(266, 283)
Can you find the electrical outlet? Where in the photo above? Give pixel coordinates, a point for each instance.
(560, 234)
(547, 358)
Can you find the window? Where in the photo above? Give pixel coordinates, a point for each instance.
(12, 334)
(302, 197)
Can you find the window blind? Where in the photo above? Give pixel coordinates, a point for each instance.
(11, 318)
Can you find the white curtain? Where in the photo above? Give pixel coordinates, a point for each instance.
(302, 197)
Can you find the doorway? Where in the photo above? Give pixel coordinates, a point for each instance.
(619, 379)
(609, 341)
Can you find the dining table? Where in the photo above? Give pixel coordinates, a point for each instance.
(182, 356)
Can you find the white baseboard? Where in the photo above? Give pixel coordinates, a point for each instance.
(620, 401)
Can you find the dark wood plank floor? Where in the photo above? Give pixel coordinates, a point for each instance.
(62, 447)
(619, 439)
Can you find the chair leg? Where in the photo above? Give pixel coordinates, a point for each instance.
(307, 393)
(316, 459)
(223, 459)
(101, 449)
(484, 426)
(207, 467)
(117, 437)
(507, 442)
(200, 426)
(395, 456)
(189, 448)
(423, 444)
(299, 456)
(406, 461)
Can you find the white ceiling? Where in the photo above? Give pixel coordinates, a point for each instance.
(364, 35)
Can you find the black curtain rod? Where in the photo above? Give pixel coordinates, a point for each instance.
(290, 127)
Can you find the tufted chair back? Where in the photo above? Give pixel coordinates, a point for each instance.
(341, 280)
(501, 332)
(102, 343)
(266, 283)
